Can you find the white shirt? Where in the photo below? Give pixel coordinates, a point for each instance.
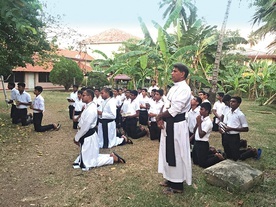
(133, 106)
(24, 98)
(78, 104)
(38, 103)
(14, 91)
(218, 106)
(143, 100)
(124, 108)
(73, 96)
(155, 108)
(191, 118)
(206, 126)
(152, 87)
(235, 119)
(118, 100)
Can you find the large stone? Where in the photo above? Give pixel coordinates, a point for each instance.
(234, 176)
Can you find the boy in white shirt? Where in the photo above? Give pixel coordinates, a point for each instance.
(38, 109)
(14, 91)
(78, 108)
(200, 153)
(218, 110)
(71, 100)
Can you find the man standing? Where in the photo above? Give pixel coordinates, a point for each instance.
(87, 138)
(174, 151)
(14, 91)
(153, 86)
(71, 100)
(217, 110)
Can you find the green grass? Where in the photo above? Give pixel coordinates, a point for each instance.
(38, 165)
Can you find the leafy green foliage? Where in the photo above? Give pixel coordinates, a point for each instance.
(65, 72)
(21, 33)
(97, 80)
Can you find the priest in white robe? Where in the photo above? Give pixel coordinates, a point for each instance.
(174, 151)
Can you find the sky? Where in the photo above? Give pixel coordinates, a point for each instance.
(90, 17)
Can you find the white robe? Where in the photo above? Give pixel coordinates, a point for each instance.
(108, 109)
(90, 149)
(179, 98)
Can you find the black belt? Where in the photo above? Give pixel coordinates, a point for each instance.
(77, 113)
(170, 151)
(87, 134)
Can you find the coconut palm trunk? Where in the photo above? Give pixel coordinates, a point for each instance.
(214, 82)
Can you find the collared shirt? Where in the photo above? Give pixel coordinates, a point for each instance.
(235, 119)
(98, 100)
(152, 87)
(133, 106)
(191, 118)
(79, 105)
(24, 98)
(143, 101)
(155, 108)
(226, 110)
(206, 126)
(118, 100)
(124, 108)
(73, 96)
(38, 103)
(179, 98)
(14, 91)
(218, 106)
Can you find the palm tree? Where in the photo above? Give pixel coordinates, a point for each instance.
(218, 55)
(266, 14)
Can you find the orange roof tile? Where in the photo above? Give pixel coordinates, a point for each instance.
(76, 55)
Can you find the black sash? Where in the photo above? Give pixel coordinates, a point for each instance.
(81, 140)
(105, 130)
(77, 113)
(170, 151)
(87, 134)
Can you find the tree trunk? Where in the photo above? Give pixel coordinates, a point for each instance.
(214, 82)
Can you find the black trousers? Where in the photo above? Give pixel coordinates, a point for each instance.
(201, 155)
(231, 145)
(143, 117)
(71, 109)
(132, 130)
(13, 110)
(155, 131)
(37, 119)
(20, 116)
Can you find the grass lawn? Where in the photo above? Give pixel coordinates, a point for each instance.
(36, 168)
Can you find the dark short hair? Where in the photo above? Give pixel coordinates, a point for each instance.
(207, 106)
(90, 93)
(237, 98)
(153, 81)
(80, 92)
(84, 88)
(198, 100)
(207, 94)
(221, 94)
(144, 89)
(134, 92)
(108, 90)
(21, 84)
(182, 68)
(12, 84)
(153, 90)
(226, 97)
(75, 86)
(203, 92)
(160, 91)
(38, 88)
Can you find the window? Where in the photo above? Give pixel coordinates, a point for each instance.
(44, 77)
(15, 77)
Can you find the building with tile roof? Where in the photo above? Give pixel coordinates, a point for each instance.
(38, 74)
(108, 41)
